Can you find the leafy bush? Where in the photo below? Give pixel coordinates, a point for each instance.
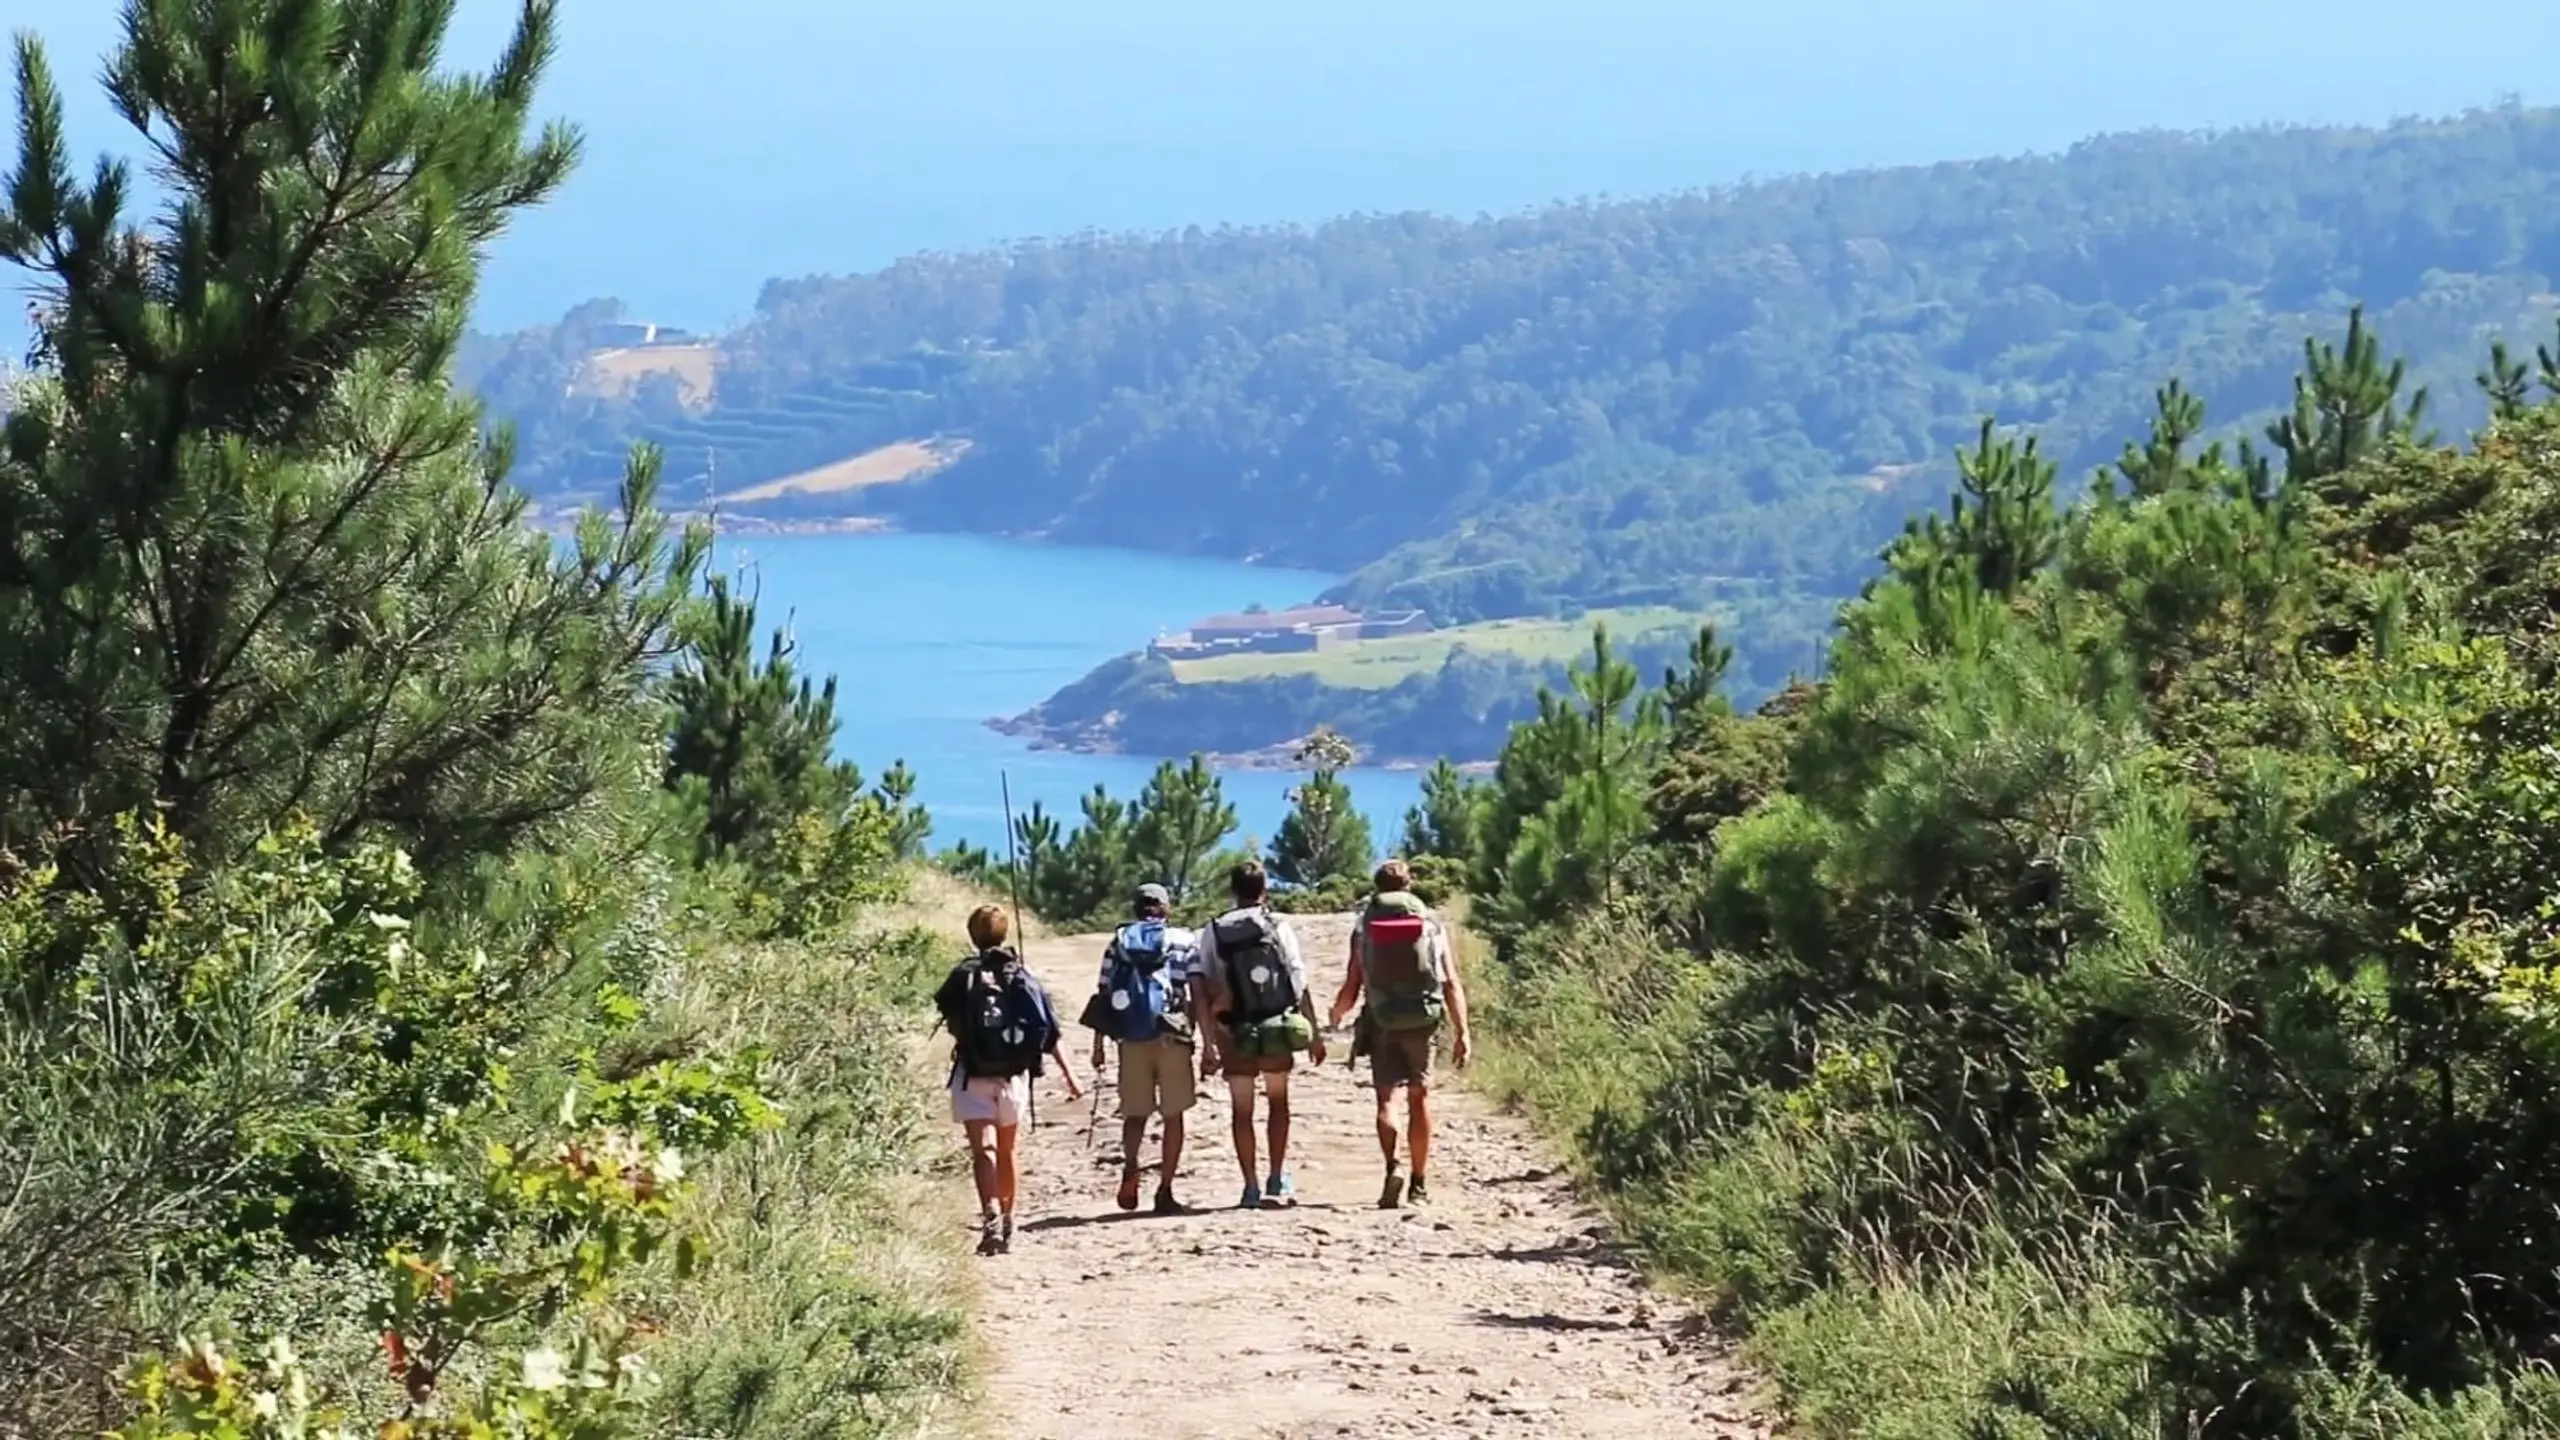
(2124, 1009)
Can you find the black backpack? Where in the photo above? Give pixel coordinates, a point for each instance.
(1002, 1027)
(1258, 983)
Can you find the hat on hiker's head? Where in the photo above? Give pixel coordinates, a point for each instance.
(1152, 893)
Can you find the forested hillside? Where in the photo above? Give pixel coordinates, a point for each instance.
(1683, 399)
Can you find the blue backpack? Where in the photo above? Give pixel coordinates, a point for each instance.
(1137, 1005)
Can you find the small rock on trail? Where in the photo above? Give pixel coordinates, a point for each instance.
(1499, 1312)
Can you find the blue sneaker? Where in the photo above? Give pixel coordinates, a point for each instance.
(1252, 1197)
(1279, 1193)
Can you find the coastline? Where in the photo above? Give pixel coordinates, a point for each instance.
(733, 523)
(1096, 740)
(748, 522)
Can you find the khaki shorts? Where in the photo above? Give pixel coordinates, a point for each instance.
(1400, 1058)
(1156, 1078)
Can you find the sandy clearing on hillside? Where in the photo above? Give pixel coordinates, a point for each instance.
(615, 372)
(904, 460)
(1499, 1312)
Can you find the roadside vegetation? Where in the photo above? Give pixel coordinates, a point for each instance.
(447, 987)
(2117, 999)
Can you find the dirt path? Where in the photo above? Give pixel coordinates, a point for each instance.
(1500, 1311)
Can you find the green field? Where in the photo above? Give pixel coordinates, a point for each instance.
(1377, 664)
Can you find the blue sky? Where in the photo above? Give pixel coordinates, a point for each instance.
(736, 141)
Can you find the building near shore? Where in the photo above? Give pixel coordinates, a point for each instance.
(1276, 632)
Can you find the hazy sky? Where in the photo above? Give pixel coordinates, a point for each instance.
(734, 141)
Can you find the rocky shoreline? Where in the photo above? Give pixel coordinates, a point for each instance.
(1099, 739)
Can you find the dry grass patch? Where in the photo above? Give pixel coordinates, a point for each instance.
(1378, 664)
(904, 460)
(611, 374)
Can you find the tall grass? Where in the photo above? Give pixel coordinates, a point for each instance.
(834, 1306)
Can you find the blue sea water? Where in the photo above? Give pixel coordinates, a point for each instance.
(932, 635)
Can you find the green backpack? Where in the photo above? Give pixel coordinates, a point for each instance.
(1403, 982)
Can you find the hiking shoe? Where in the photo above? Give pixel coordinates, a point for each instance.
(1167, 1205)
(990, 1236)
(1004, 1238)
(1415, 1193)
(1128, 1196)
(1391, 1194)
(1279, 1193)
(1252, 1197)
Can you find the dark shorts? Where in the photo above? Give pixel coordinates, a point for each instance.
(1239, 1067)
(1400, 1058)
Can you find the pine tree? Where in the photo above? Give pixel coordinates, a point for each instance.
(1097, 867)
(911, 825)
(1324, 836)
(1568, 805)
(2162, 464)
(1182, 818)
(1444, 822)
(2001, 527)
(751, 742)
(2506, 382)
(1038, 861)
(1697, 690)
(254, 556)
(2346, 405)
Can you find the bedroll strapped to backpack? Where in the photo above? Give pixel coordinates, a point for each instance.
(1280, 1035)
(1403, 978)
(1137, 1005)
(1002, 1029)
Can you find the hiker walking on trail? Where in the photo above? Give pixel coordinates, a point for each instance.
(1263, 1017)
(1406, 971)
(1003, 1029)
(1148, 1000)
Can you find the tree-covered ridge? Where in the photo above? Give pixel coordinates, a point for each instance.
(1664, 400)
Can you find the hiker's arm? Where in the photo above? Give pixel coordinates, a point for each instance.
(1354, 976)
(1453, 992)
(1100, 984)
(1058, 1051)
(1204, 1025)
(1306, 996)
(1057, 1038)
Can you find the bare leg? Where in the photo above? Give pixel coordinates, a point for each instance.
(1418, 1126)
(1240, 1119)
(1279, 1084)
(1133, 1138)
(982, 1162)
(1174, 1131)
(1387, 1125)
(1004, 1167)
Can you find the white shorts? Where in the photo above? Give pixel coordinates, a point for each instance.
(999, 1101)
